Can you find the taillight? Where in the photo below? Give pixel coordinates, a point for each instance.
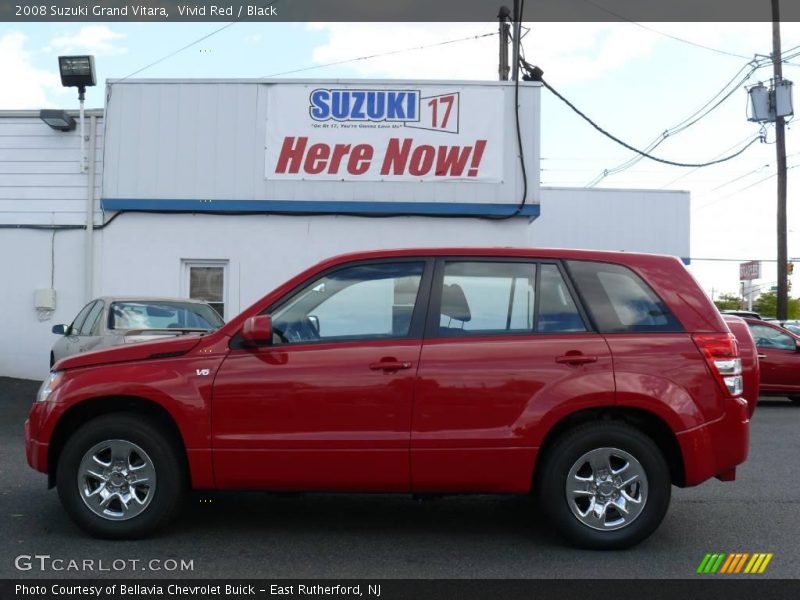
(722, 355)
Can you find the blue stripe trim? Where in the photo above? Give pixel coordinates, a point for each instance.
(333, 207)
(686, 261)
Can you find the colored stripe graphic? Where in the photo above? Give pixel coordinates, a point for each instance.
(728, 564)
(703, 563)
(718, 563)
(764, 564)
(734, 563)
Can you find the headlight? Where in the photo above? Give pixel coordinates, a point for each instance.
(48, 385)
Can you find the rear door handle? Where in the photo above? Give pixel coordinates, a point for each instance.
(390, 365)
(575, 359)
(762, 356)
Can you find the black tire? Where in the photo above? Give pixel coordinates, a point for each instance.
(568, 449)
(795, 399)
(163, 452)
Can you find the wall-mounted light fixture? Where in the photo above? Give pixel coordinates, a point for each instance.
(57, 119)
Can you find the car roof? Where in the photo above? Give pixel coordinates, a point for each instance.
(109, 299)
(618, 256)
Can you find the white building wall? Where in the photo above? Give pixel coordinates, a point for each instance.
(655, 221)
(28, 261)
(40, 177)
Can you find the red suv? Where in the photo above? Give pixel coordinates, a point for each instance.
(597, 380)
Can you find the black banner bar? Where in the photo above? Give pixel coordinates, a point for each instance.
(536, 11)
(708, 588)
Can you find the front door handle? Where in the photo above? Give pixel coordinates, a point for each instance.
(390, 365)
(575, 359)
(762, 356)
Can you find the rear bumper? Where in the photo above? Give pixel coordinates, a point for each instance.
(715, 448)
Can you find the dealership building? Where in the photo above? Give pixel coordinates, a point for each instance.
(223, 189)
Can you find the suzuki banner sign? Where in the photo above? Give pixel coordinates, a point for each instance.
(385, 133)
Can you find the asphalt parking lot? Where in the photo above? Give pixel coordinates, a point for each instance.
(260, 535)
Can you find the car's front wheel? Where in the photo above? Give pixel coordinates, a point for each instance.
(604, 485)
(120, 476)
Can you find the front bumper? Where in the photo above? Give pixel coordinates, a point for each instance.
(35, 449)
(715, 448)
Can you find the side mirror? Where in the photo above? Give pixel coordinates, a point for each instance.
(60, 329)
(257, 330)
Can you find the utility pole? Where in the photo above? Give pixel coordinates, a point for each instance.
(517, 16)
(505, 29)
(780, 149)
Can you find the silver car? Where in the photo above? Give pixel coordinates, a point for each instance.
(107, 322)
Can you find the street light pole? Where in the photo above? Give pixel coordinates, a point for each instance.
(780, 149)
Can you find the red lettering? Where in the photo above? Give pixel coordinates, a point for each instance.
(480, 146)
(316, 159)
(291, 156)
(339, 152)
(360, 159)
(451, 160)
(396, 157)
(421, 160)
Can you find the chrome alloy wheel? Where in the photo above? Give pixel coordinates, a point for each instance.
(116, 479)
(606, 489)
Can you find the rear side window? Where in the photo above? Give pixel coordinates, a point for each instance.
(487, 297)
(495, 298)
(619, 300)
(557, 310)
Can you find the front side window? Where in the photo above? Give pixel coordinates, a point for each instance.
(369, 301)
(75, 328)
(769, 337)
(619, 300)
(90, 325)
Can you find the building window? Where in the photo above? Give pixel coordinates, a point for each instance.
(207, 280)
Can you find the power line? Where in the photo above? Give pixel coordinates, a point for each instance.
(661, 33)
(723, 153)
(739, 191)
(380, 54)
(179, 50)
(692, 119)
(535, 74)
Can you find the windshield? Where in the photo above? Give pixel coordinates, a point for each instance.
(793, 327)
(163, 315)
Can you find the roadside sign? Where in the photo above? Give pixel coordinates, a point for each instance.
(750, 270)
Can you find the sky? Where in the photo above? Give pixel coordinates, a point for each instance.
(635, 80)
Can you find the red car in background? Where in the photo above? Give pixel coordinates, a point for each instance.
(779, 358)
(748, 352)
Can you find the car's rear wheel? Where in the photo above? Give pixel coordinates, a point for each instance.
(604, 485)
(120, 476)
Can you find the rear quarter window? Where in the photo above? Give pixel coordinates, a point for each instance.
(619, 300)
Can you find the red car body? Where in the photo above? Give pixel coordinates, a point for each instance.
(751, 367)
(422, 414)
(779, 358)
